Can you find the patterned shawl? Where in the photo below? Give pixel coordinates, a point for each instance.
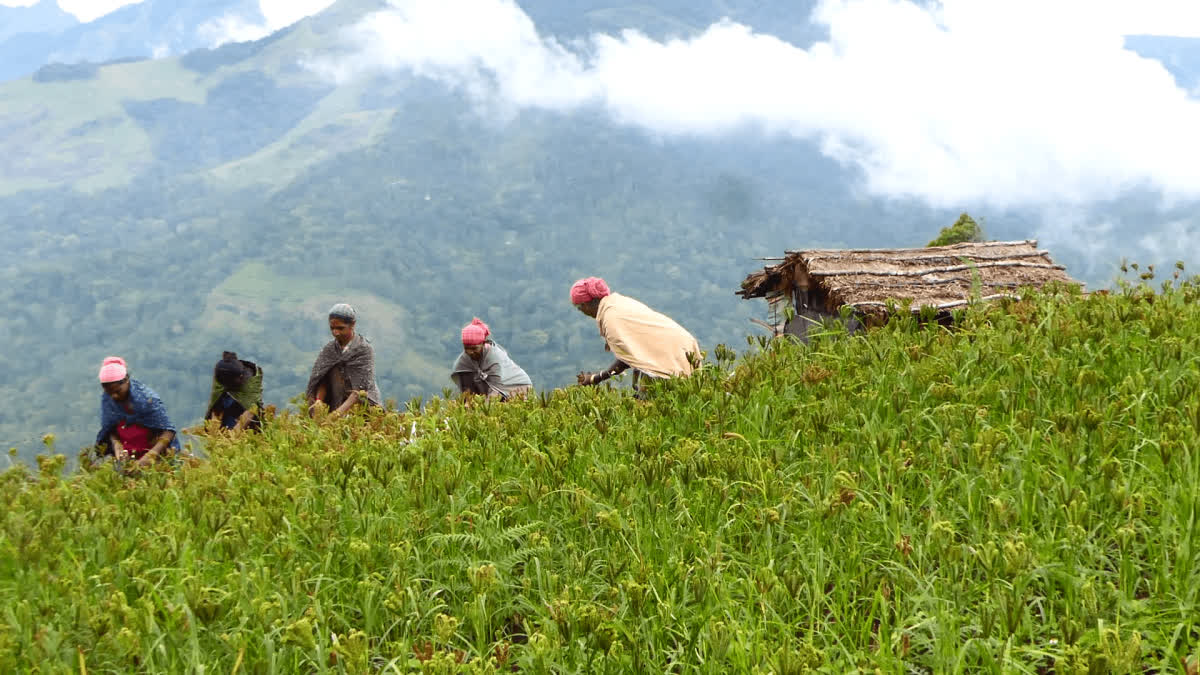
(357, 361)
(148, 411)
(249, 396)
(495, 369)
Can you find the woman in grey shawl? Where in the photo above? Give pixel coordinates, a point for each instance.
(484, 367)
(345, 369)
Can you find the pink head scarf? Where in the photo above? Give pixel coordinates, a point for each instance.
(585, 290)
(113, 370)
(475, 333)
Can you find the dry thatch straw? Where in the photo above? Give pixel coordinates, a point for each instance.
(940, 277)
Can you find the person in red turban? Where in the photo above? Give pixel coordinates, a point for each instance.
(484, 368)
(649, 342)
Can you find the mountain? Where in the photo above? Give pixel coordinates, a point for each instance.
(1179, 55)
(143, 30)
(43, 17)
(166, 210)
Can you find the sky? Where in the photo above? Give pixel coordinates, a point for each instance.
(279, 13)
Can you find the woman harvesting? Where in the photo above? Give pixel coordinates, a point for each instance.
(641, 338)
(344, 372)
(133, 420)
(236, 398)
(484, 368)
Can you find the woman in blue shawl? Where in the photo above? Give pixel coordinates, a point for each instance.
(133, 420)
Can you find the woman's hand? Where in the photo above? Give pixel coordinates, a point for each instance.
(245, 419)
(351, 401)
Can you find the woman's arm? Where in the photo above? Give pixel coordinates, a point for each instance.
(245, 418)
(322, 392)
(345, 407)
(615, 369)
(164, 439)
(117, 448)
(588, 379)
(463, 381)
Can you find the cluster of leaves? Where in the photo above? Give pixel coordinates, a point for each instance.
(1017, 494)
(963, 230)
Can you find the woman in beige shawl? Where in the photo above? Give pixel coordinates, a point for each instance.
(640, 338)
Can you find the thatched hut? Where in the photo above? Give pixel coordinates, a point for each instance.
(817, 284)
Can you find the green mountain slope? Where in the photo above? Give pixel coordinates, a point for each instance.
(1013, 495)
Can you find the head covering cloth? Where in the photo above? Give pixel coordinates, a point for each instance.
(113, 369)
(344, 312)
(586, 290)
(475, 333)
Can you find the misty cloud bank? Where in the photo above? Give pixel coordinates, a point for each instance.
(975, 104)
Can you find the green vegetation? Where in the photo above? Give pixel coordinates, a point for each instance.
(965, 229)
(1015, 495)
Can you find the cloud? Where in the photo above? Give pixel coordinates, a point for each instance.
(1005, 102)
(275, 15)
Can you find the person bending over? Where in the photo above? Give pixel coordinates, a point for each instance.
(484, 367)
(236, 399)
(649, 342)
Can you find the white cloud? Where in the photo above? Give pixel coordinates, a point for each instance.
(276, 15)
(1005, 102)
(84, 10)
(283, 13)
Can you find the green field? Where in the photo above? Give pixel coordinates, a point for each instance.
(1016, 495)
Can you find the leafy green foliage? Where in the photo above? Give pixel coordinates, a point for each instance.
(965, 229)
(242, 113)
(1013, 495)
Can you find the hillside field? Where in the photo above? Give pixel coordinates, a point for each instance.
(1018, 494)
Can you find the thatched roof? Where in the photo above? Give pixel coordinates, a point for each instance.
(939, 276)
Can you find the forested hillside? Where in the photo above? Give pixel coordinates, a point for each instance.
(1015, 494)
(167, 210)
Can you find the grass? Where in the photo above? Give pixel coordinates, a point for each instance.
(1017, 495)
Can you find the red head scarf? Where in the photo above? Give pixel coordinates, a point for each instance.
(475, 333)
(585, 290)
(113, 370)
